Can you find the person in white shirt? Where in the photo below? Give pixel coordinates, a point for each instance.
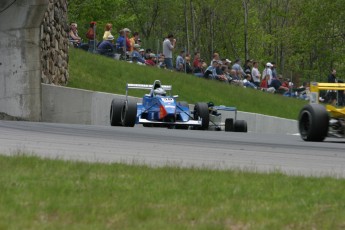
(168, 46)
(268, 71)
(256, 74)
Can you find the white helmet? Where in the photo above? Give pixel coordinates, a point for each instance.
(160, 91)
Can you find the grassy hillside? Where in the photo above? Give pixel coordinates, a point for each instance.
(98, 73)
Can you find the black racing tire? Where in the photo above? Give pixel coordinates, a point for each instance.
(201, 110)
(229, 125)
(240, 126)
(313, 122)
(115, 112)
(183, 104)
(129, 113)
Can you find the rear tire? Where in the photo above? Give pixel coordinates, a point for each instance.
(201, 111)
(313, 122)
(240, 126)
(129, 113)
(115, 112)
(229, 125)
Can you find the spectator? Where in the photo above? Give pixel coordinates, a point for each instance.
(235, 79)
(106, 47)
(134, 40)
(128, 42)
(247, 82)
(278, 86)
(256, 74)
(121, 43)
(331, 96)
(161, 63)
(107, 31)
(247, 68)
(136, 56)
(215, 57)
(264, 85)
(188, 66)
(74, 38)
(268, 71)
(151, 60)
(142, 52)
(147, 53)
(180, 64)
(91, 35)
(237, 66)
(196, 62)
(168, 46)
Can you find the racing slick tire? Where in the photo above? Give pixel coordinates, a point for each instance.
(201, 110)
(229, 125)
(313, 122)
(182, 104)
(115, 112)
(129, 113)
(240, 126)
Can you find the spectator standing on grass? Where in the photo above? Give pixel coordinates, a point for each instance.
(169, 44)
(268, 71)
(256, 74)
(128, 42)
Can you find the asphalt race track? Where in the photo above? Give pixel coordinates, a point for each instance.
(185, 148)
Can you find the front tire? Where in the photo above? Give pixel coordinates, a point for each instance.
(313, 122)
(129, 113)
(201, 111)
(115, 112)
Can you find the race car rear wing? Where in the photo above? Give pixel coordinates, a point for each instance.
(315, 88)
(156, 84)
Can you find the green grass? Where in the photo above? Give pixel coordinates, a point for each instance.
(98, 73)
(53, 194)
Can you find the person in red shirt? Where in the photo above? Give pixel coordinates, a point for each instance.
(151, 61)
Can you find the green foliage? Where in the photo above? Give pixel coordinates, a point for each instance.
(304, 37)
(54, 194)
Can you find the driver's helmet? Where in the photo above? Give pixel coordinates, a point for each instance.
(160, 91)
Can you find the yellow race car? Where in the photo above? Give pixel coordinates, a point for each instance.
(317, 121)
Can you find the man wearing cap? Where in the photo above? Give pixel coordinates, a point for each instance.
(136, 56)
(151, 61)
(128, 42)
(168, 46)
(106, 47)
(268, 71)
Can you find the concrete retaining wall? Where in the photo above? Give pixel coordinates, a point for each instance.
(20, 67)
(75, 106)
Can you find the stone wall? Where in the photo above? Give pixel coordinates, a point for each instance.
(54, 43)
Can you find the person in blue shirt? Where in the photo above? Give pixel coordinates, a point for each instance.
(136, 56)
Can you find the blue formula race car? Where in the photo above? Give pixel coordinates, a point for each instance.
(158, 109)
